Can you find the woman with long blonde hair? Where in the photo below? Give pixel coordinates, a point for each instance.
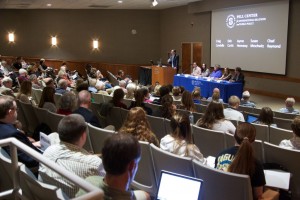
(138, 125)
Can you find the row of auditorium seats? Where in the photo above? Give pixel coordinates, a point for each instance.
(204, 141)
(18, 182)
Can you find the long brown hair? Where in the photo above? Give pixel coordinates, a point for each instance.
(181, 127)
(187, 101)
(213, 113)
(266, 116)
(137, 125)
(47, 96)
(167, 110)
(244, 160)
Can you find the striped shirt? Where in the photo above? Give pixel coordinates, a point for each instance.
(73, 159)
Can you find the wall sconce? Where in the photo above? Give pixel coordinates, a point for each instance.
(95, 44)
(54, 41)
(154, 3)
(11, 37)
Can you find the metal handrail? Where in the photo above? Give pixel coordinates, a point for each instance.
(93, 191)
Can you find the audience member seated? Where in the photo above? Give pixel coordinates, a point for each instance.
(42, 66)
(94, 79)
(67, 103)
(131, 88)
(49, 82)
(35, 82)
(6, 88)
(18, 63)
(240, 159)
(47, 99)
(33, 69)
(196, 70)
(24, 94)
(121, 155)
(204, 70)
(231, 113)
(226, 75)
(23, 76)
(84, 103)
(69, 154)
(238, 76)
(215, 96)
(146, 95)
(187, 102)
(246, 100)
(62, 75)
(180, 141)
(139, 102)
(118, 96)
(289, 106)
(167, 109)
(163, 90)
(120, 75)
(217, 73)
(8, 117)
(266, 117)
(122, 85)
(137, 125)
(196, 95)
(214, 119)
(176, 93)
(62, 86)
(156, 89)
(294, 142)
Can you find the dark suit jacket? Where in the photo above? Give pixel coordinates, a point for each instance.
(88, 116)
(7, 131)
(239, 79)
(175, 61)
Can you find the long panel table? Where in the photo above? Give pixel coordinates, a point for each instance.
(227, 89)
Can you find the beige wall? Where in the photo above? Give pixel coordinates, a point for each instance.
(75, 30)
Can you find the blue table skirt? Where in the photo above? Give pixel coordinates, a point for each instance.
(227, 89)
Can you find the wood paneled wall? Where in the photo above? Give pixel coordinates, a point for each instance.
(131, 70)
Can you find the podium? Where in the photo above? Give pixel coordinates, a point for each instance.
(164, 75)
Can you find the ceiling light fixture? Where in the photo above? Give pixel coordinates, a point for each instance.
(120, 1)
(49, 4)
(154, 3)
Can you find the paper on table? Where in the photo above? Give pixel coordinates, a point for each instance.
(278, 179)
(210, 161)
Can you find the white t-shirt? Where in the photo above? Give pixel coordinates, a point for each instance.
(225, 126)
(181, 148)
(232, 114)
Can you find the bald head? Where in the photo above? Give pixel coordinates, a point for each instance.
(216, 90)
(84, 97)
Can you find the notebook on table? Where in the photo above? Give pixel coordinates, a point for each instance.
(175, 186)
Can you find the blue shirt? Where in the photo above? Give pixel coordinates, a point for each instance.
(216, 74)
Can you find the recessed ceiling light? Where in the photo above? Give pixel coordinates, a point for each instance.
(120, 1)
(49, 4)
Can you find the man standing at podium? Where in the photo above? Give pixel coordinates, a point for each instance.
(174, 60)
